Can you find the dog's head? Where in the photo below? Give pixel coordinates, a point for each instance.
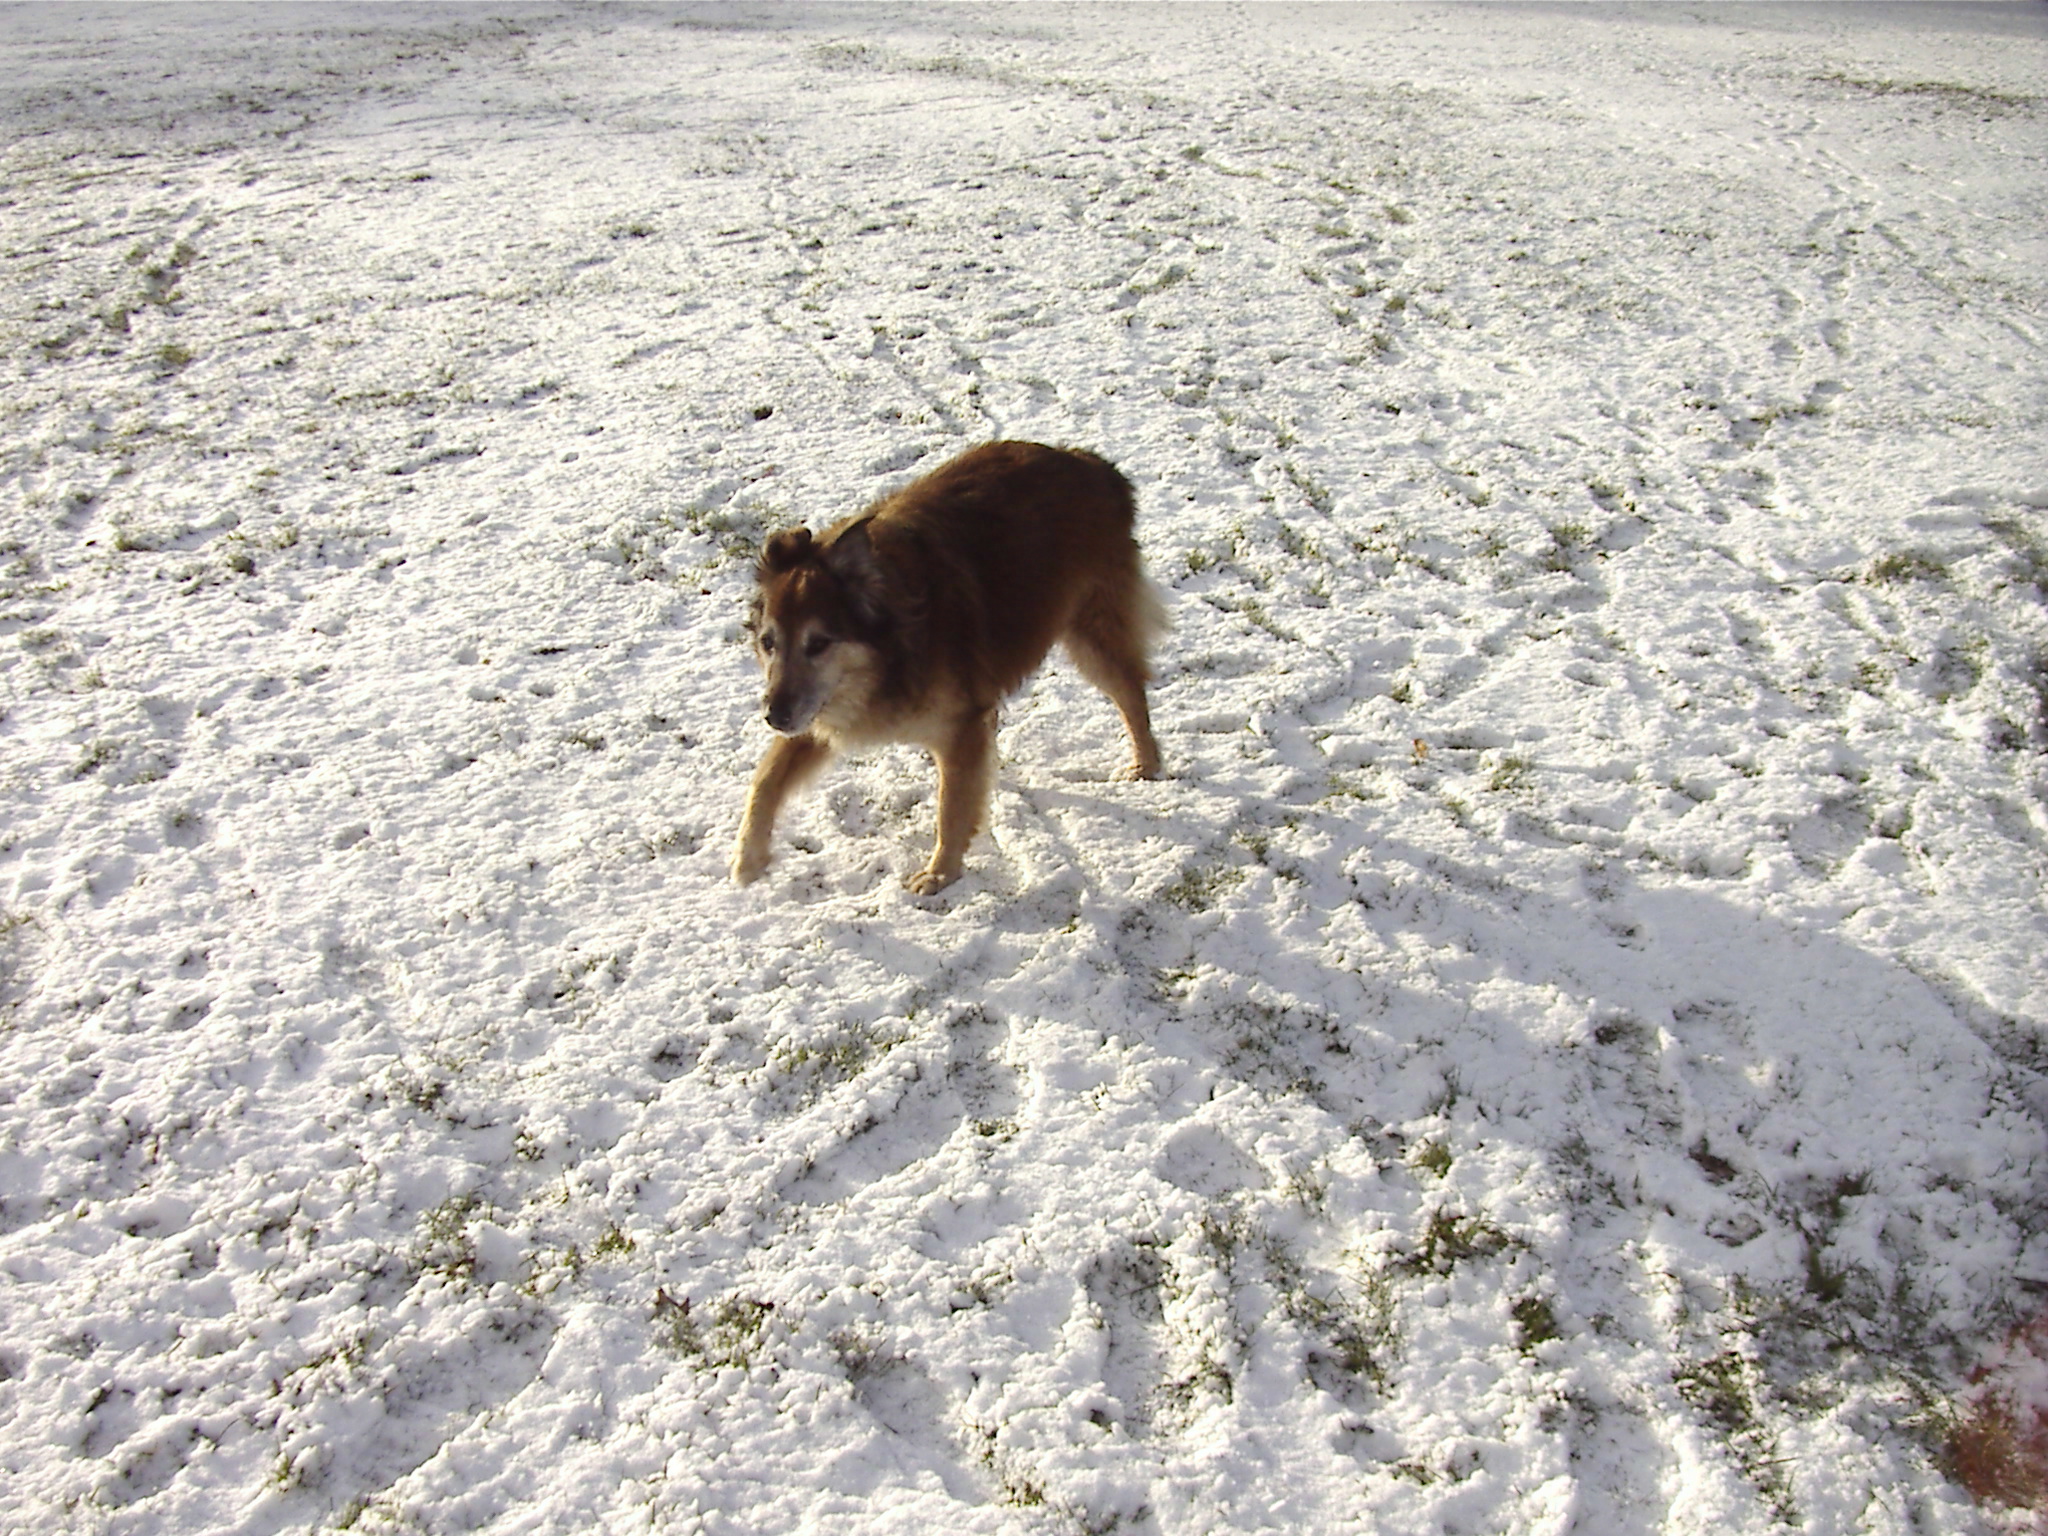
(816, 613)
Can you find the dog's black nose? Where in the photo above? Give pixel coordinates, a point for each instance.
(776, 713)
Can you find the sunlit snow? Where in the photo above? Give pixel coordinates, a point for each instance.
(1564, 1049)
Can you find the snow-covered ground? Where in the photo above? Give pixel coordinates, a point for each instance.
(1565, 1049)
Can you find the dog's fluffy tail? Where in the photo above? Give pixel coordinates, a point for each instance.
(1149, 618)
(1149, 609)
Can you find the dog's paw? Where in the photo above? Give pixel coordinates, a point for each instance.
(1132, 773)
(929, 882)
(748, 865)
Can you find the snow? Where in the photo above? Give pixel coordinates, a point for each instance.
(1564, 1048)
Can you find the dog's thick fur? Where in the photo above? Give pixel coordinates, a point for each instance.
(912, 620)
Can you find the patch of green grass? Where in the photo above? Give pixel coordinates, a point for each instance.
(1903, 566)
(1937, 90)
(840, 1058)
(1255, 612)
(1343, 786)
(1014, 1486)
(1432, 1157)
(95, 757)
(809, 1069)
(1258, 841)
(671, 840)
(1274, 1046)
(1208, 1378)
(1317, 495)
(1308, 1188)
(1535, 1323)
(732, 1331)
(1568, 544)
(134, 539)
(1199, 888)
(2030, 554)
(1355, 1336)
(1448, 1241)
(739, 531)
(1624, 1030)
(1223, 1233)
(1827, 1283)
(1510, 773)
(442, 1244)
(1720, 1390)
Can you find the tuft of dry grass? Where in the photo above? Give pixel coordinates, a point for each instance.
(1999, 1447)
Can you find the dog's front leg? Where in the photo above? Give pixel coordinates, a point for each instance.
(966, 759)
(787, 763)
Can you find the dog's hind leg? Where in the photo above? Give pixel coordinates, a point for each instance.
(1108, 640)
(786, 766)
(966, 760)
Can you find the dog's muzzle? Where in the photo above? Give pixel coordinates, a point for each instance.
(785, 713)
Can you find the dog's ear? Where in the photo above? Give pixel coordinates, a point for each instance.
(851, 560)
(785, 551)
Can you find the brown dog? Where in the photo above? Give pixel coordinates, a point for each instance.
(912, 620)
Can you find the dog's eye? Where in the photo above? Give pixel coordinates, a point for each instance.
(815, 646)
(767, 641)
